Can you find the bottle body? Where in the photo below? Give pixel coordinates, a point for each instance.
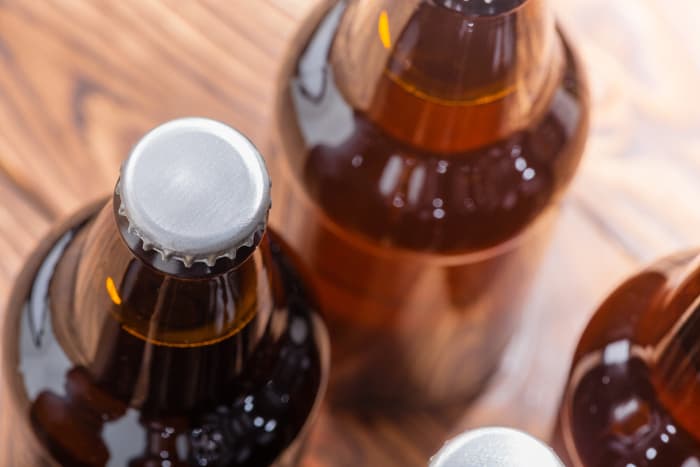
(139, 368)
(632, 394)
(422, 195)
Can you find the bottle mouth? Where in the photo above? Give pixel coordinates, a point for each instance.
(480, 7)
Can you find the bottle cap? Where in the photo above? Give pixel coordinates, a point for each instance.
(495, 447)
(195, 190)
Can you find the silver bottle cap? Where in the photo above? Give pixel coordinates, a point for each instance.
(195, 190)
(495, 447)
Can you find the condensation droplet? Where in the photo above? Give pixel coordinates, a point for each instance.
(651, 453)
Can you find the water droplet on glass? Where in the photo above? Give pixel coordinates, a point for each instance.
(651, 453)
(270, 425)
(298, 331)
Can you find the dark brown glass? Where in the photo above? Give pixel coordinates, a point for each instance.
(108, 361)
(633, 395)
(424, 148)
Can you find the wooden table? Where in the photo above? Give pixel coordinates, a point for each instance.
(80, 81)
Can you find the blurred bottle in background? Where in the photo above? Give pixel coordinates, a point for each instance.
(633, 395)
(425, 145)
(495, 447)
(166, 327)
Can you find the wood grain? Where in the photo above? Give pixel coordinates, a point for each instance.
(80, 81)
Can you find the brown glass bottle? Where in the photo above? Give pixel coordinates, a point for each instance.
(424, 147)
(116, 352)
(633, 395)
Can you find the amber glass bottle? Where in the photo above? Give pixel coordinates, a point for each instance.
(165, 328)
(633, 395)
(424, 147)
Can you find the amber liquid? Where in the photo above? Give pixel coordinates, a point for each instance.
(423, 215)
(633, 395)
(151, 384)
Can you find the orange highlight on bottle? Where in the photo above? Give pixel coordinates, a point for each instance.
(384, 31)
(112, 291)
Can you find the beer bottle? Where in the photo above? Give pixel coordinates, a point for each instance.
(424, 146)
(165, 327)
(633, 394)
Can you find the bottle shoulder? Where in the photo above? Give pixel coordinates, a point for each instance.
(251, 403)
(369, 182)
(621, 405)
(614, 416)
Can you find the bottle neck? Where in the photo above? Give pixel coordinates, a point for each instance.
(675, 355)
(123, 301)
(443, 79)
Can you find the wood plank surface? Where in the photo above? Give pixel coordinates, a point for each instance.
(81, 80)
